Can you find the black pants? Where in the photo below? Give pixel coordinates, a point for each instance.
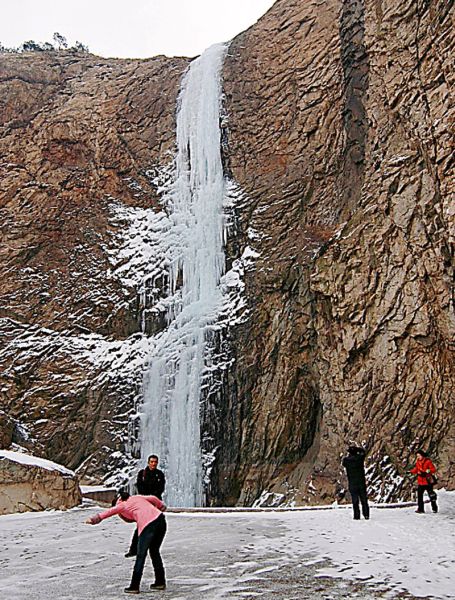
(421, 489)
(133, 546)
(150, 540)
(359, 493)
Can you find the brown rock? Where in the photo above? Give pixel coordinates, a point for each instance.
(78, 134)
(338, 133)
(6, 430)
(31, 484)
(338, 130)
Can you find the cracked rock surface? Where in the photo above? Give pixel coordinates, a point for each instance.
(339, 131)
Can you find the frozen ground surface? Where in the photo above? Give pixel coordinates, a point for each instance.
(285, 556)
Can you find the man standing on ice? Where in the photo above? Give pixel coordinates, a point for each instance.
(354, 463)
(150, 482)
(147, 512)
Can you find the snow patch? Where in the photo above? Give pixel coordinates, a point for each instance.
(35, 461)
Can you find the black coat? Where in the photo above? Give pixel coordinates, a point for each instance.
(355, 469)
(150, 482)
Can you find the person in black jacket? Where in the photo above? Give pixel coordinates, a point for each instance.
(150, 482)
(355, 470)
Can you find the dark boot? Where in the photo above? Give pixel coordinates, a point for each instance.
(158, 586)
(433, 497)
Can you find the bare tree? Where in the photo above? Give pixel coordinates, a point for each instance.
(60, 40)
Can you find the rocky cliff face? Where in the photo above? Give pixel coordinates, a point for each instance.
(337, 131)
(81, 137)
(340, 135)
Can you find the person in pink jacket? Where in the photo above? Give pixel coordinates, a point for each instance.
(147, 512)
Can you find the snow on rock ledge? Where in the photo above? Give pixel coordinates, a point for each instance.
(28, 483)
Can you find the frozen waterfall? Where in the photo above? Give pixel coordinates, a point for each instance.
(170, 425)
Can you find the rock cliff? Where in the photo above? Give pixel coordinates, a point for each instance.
(340, 135)
(78, 136)
(337, 118)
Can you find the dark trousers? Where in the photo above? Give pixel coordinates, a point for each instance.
(421, 489)
(133, 545)
(150, 541)
(359, 494)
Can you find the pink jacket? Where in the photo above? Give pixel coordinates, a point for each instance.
(141, 509)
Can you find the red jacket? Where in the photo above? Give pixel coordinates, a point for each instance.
(423, 468)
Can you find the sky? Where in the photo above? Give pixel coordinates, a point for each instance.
(130, 28)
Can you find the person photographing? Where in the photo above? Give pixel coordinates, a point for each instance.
(354, 463)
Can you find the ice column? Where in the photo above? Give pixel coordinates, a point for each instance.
(170, 425)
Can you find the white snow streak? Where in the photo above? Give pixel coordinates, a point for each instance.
(35, 461)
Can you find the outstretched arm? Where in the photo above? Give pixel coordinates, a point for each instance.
(115, 510)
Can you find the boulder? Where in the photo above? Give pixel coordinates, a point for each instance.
(29, 483)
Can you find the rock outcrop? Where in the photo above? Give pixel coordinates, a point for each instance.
(28, 483)
(6, 430)
(337, 130)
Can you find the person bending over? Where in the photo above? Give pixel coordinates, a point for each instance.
(147, 513)
(150, 482)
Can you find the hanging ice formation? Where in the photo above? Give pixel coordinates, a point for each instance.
(170, 425)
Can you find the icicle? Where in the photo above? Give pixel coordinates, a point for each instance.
(170, 423)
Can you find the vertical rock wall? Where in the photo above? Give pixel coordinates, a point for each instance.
(80, 136)
(383, 289)
(337, 130)
(339, 116)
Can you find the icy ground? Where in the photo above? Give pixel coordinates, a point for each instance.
(318, 554)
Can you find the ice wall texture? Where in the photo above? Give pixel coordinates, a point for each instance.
(194, 203)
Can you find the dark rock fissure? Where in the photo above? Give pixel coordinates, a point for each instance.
(355, 64)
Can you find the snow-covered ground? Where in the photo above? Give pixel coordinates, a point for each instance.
(281, 555)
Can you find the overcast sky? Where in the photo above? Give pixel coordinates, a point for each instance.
(130, 28)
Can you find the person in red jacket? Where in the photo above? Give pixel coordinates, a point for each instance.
(147, 512)
(425, 469)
